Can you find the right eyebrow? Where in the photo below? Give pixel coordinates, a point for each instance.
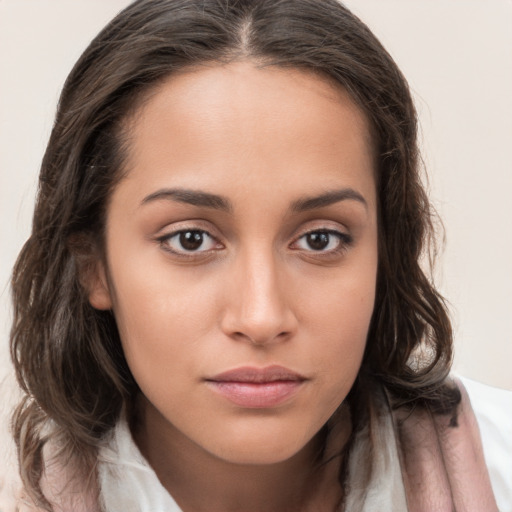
(192, 197)
(328, 198)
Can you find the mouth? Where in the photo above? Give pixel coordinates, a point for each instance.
(257, 388)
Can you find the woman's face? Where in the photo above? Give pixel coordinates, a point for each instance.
(242, 257)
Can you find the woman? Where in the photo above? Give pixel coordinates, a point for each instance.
(221, 305)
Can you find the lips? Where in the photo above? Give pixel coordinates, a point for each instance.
(258, 388)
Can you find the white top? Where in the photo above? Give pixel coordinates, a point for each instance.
(127, 482)
(493, 411)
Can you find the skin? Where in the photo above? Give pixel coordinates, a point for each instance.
(255, 293)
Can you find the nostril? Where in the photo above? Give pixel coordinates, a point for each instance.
(261, 339)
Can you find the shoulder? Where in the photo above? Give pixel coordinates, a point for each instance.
(493, 411)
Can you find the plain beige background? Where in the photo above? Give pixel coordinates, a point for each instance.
(457, 56)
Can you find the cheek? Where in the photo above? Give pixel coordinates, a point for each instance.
(341, 305)
(339, 318)
(161, 318)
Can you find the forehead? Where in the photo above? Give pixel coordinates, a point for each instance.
(241, 122)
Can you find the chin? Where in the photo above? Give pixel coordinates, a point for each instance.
(262, 447)
(257, 455)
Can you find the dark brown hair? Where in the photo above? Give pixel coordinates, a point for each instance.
(67, 355)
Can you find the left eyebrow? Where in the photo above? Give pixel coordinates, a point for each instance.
(326, 199)
(192, 197)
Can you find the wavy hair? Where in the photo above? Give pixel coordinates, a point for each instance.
(67, 355)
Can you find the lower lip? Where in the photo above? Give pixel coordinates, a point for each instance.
(258, 395)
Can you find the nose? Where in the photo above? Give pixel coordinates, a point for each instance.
(258, 309)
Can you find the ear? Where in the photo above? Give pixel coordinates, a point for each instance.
(97, 287)
(91, 270)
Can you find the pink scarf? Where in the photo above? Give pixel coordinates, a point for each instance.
(421, 464)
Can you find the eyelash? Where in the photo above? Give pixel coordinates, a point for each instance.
(344, 242)
(166, 239)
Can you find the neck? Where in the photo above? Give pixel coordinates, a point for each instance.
(200, 481)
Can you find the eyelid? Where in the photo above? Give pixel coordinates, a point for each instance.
(345, 240)
(326, 225)
(176, 234)
(340, 234)
(176, 229)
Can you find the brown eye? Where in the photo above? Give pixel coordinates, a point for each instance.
(189, 240)
(325, 241)
(318, 241)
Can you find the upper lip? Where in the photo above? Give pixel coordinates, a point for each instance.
(258, 375)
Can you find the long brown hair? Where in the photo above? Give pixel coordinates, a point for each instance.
(67, 355)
